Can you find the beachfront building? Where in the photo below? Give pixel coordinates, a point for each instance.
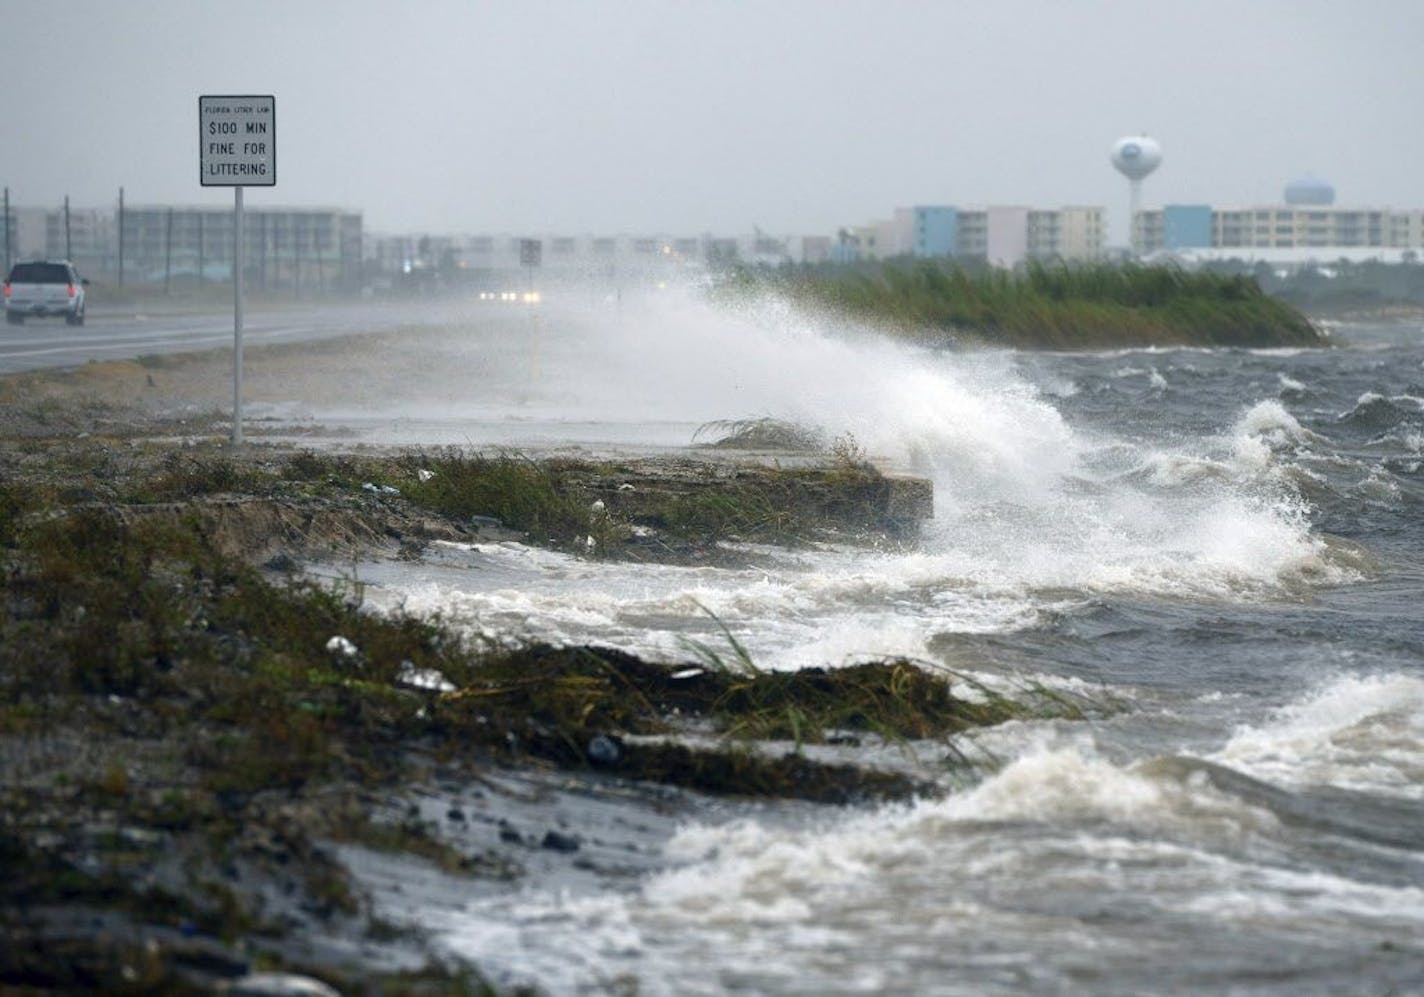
(1001, 235)
(297, 249)
(26, 232)
(507, 261)
(924, 231)
(1278, 227)
(83, 235)
(816, 248)
(285, 248)
(1005, 236)
(1306, 220)
(1073, 232)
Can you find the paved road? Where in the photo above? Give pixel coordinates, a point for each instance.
(117, 335)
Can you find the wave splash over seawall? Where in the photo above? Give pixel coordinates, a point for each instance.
(1023, 498)
(1033, 511)
(1152, 533)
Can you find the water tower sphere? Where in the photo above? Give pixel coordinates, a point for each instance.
(1309, 190)
(1136, 157)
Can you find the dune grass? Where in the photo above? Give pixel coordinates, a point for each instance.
(1046, 305)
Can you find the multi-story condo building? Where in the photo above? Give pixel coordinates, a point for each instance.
(495, 259)
(84, 235)
(1070, 233)
(1001, 235)
(923, 231)
(816, 248)
(971, 240)
(296, 248)
(1179, 226)
(299, 248)
(26, 232)
(1308, 219)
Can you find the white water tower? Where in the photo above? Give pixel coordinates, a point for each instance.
(1135, 157)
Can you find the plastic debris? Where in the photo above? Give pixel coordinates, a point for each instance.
(376, 489)
(688, 673)
(424, 475)
(340, 645)
(423, 678)
(603, 750)
(279, 985)
(557, 841)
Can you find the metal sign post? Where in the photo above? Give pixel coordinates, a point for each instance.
(237, 143)
(237, 268)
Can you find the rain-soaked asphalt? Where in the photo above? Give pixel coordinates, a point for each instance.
(114, 333)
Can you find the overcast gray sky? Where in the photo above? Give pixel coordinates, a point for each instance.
(688, 117)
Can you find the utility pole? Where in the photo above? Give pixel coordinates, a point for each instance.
(121, 237)
(68, 255)
(202, 256)
(7, 230)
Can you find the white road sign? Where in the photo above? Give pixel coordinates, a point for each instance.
(237, 141)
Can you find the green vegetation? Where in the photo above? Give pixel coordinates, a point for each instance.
(185, 734)
(522, 494)
(669, 511)
(1053, 306)
(155, 613)
(564, 502)
(104, 604)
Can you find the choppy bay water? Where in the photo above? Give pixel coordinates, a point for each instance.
(1224, 544)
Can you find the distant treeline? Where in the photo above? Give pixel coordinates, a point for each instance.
(1045, 306)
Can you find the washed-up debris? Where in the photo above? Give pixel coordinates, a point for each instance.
(603, 750)
(424, 474)
(557, 841)
(423, 678)
(342, 647)
(376, 489)
(278, 985)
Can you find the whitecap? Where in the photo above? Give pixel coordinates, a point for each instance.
(1356, 732)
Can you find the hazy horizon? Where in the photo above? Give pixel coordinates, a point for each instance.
(794, 117)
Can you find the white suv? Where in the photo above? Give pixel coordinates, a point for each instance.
(37, 289)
